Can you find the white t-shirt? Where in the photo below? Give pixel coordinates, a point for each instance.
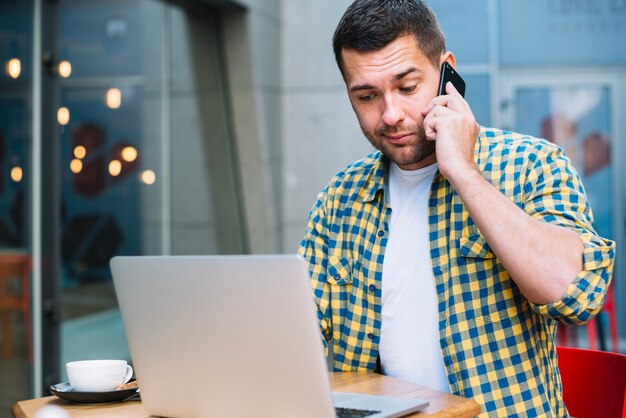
(409, 341)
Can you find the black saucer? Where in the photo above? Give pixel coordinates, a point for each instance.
(67, 392)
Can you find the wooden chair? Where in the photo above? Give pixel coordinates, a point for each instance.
(594, 382)
(15, 266)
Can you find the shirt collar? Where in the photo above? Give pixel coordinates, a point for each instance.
(378, 175)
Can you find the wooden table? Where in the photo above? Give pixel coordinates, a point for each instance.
(442, 405)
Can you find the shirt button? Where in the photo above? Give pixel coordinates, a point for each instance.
(370, 336)
(381, 233)
(337, 277)
(372, 287)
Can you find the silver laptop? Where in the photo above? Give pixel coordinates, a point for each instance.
(231, 336)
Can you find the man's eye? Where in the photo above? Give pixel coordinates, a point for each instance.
(367, 97)
(408, 89)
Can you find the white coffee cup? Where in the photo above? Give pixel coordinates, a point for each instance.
(98, 375)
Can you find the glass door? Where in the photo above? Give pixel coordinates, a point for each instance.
(578, 116)
(577, 119)
(103, 168)
(114, 140)
(143, 160)
(576, 112)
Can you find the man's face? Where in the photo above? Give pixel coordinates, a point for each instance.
(388, 89)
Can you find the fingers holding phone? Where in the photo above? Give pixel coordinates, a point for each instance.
(451, 93)
(449, 120)
(450, 84)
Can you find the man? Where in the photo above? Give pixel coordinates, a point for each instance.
(449, 255)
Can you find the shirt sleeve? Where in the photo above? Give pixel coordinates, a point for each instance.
(554, 193)
(314, 250)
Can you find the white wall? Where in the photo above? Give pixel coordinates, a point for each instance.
(252, 48)
(320, 132)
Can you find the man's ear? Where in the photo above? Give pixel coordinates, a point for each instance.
(448, 57)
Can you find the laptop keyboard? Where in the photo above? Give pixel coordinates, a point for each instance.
(353, 413)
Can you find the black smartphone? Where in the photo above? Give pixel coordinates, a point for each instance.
(449, 74)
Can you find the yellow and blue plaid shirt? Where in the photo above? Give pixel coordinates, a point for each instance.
(498, 347)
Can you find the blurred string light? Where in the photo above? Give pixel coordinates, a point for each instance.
(129, 154)
(148, 177)
(63, 116)
(76, 166)
(115, 168)
(14, 68)
(65, 69)
(80, 152)
(114, 98)
(16, 174)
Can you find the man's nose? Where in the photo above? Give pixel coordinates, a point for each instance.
(392, 113)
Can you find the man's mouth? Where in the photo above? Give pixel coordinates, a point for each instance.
(398, 138)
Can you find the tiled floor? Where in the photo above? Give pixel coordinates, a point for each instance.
(15, 373)
(13, 383)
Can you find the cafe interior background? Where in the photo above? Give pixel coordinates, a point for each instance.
(154, 127)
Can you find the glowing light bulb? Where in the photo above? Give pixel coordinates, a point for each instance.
(114, 98)
(115, 168)
(16, 174)
(63, 116)
(80, 152)
(129, 154)
(65, 69)
(148, 177)
(76, 166)
(14, 68)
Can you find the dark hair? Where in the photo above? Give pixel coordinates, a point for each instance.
(369, 25)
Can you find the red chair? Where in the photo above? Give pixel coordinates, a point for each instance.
(594, 382)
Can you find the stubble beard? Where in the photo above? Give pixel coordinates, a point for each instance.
(403, 155)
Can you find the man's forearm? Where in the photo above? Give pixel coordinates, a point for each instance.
(542, 258)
